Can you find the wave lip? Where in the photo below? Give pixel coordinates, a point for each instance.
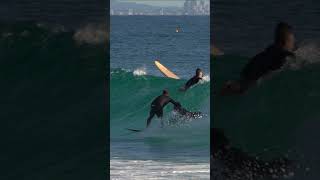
(140, 71)
(92, 34)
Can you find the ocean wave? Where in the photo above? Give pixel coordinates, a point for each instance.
(51, 87)
(95, 34)
(131, 97)
(274, 115)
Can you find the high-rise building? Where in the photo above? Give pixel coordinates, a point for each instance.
(130, 12)
(196, 7)
(188, 7)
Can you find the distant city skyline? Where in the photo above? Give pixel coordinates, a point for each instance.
(160, 7)
(160, 3)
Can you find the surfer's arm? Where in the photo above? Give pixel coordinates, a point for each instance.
(236, 87)
(291, 55)
(188, 84)
(175, 103)
(191, 82)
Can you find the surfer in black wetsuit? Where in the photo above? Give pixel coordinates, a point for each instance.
(158, 104)
(271, 59)
(194, 80)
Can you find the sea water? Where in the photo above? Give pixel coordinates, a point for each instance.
(179, 151)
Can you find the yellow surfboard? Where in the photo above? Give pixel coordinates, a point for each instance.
(165, 71)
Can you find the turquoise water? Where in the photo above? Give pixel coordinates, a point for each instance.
(278, 117)
(180, 149)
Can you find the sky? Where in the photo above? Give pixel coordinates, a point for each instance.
(163, 3)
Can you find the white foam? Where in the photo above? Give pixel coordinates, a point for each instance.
(140, 71)
(91, 34)
(205, 79)
(157, 170)
(308, 53)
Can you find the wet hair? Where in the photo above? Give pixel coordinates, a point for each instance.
(281, 33)
(198, 71)
(165, 92)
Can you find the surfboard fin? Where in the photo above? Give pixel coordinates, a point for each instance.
(134, 130)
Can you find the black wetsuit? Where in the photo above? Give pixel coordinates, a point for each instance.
(157, 106)
(194, 80)
(270, 59)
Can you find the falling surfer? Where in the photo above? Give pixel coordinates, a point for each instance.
(182, 115)
(182, 112)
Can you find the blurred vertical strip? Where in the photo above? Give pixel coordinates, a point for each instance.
(211, 88)
(54, 95)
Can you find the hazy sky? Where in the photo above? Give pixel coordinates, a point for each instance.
(158, 2)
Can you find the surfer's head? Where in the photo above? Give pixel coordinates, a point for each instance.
(199, 72)
(284, 37)
(165, 92)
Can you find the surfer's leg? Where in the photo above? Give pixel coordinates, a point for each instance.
(162, 125)
(160, 115)
(152, 113)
